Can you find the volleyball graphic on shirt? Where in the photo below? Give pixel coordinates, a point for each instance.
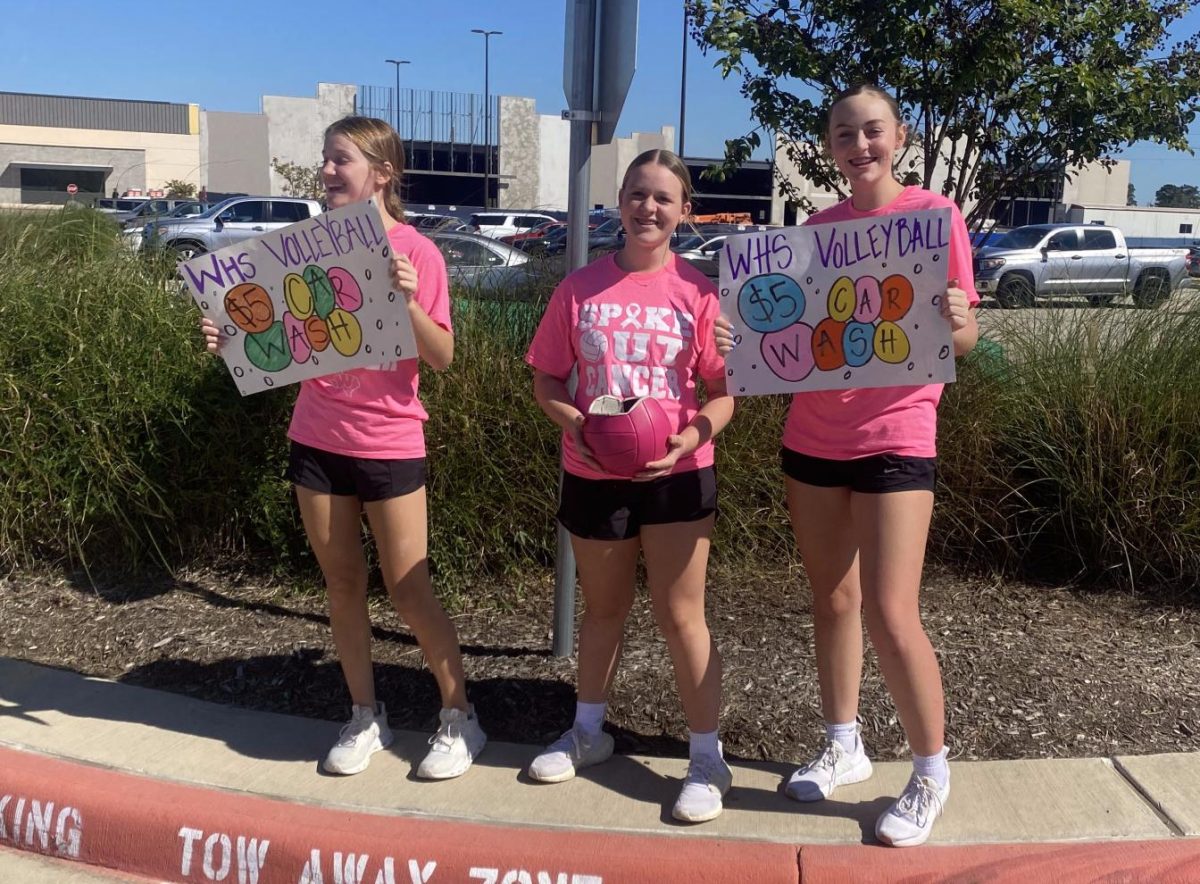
(626, 434)
(593, 345)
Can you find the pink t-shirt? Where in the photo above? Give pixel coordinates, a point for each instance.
(632, 334)
(375, 412)
(848, 424)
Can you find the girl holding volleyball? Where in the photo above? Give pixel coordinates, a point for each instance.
(639, 323)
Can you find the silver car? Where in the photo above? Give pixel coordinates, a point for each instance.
(235, 219)
(483, 264)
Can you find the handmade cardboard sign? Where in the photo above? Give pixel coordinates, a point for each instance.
(307, 300)
(838, 306)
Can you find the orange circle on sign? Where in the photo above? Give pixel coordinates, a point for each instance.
(827, 344)
(250, 307)
(318, 333)
(897, 298)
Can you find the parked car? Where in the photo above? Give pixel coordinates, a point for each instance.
(498, 224)
(132, 234)
(427, 222)
(482, 263)
(1192, 261)
(151, 208)
(536, 233)
(119, 205)
(238, 218)
(555, 242)
(1055, 260)
(703, 253)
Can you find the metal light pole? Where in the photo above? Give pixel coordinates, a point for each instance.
(487, 116)
(397, 62)
(683, 81)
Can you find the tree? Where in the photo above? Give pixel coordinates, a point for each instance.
(299, 180)
(994, 91)
(1130, 195)
(178, 188)
(1183, 196)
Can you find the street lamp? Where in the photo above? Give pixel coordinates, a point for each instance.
(487, 117)
(397, 63)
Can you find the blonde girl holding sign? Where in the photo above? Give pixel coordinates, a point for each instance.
(860, 468)
(358, 446)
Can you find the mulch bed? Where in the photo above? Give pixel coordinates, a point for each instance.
(1030, 671)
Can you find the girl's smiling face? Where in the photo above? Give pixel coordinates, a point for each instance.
(864, 136)
(652, 205)
(347, 174)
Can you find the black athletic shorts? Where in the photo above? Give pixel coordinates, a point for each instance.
(616, 509)
(878, 474)
(367, 479)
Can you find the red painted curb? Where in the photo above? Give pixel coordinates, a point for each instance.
(1170, 861)
(185, 833)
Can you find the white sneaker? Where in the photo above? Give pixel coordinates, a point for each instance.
(833, 766)
(361, 737)
(571, 752)
(909, 821)
(708, 779)
(458, 740)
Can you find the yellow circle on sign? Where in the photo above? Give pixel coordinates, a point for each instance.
(344, 331)
(842, 299)
(891, 343)
(298, 296)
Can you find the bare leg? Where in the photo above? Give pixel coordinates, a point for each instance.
(892, 531)
(676, 565)
(824, 529)
(333, 525)
(607, 571)
(401, 532)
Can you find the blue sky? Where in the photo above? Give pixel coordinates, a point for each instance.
(224, 55)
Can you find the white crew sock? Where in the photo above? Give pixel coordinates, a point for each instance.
(933, 766)
(589, 717)
(704, 744)
(845, 735)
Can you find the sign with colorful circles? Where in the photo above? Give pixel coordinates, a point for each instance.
(838, 306)
(304, 301)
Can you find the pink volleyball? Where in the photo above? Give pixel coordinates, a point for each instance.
(625, 435)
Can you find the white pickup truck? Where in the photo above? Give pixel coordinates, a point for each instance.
(1089, 260)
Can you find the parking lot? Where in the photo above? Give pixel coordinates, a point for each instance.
(998, 324)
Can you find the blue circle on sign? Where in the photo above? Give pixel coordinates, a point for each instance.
(770, 302)
(857, 343)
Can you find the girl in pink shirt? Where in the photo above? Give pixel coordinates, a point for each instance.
(635, 324)
(358, 445)
(860, 475)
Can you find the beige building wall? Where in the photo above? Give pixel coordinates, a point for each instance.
(295, 126)
(1094, 185)
(554, 166)
(609, 161)
(166, 157)
(518, 168)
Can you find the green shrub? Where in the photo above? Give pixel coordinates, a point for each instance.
(119, 441)
(1077, 458)
(1068, 451)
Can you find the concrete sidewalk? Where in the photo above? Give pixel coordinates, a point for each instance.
(196, 789)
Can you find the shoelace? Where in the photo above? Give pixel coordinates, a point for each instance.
(574, 748)
(353, 729)
(919, 798)
(700, 771)
(830, 755)
(446, 735)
